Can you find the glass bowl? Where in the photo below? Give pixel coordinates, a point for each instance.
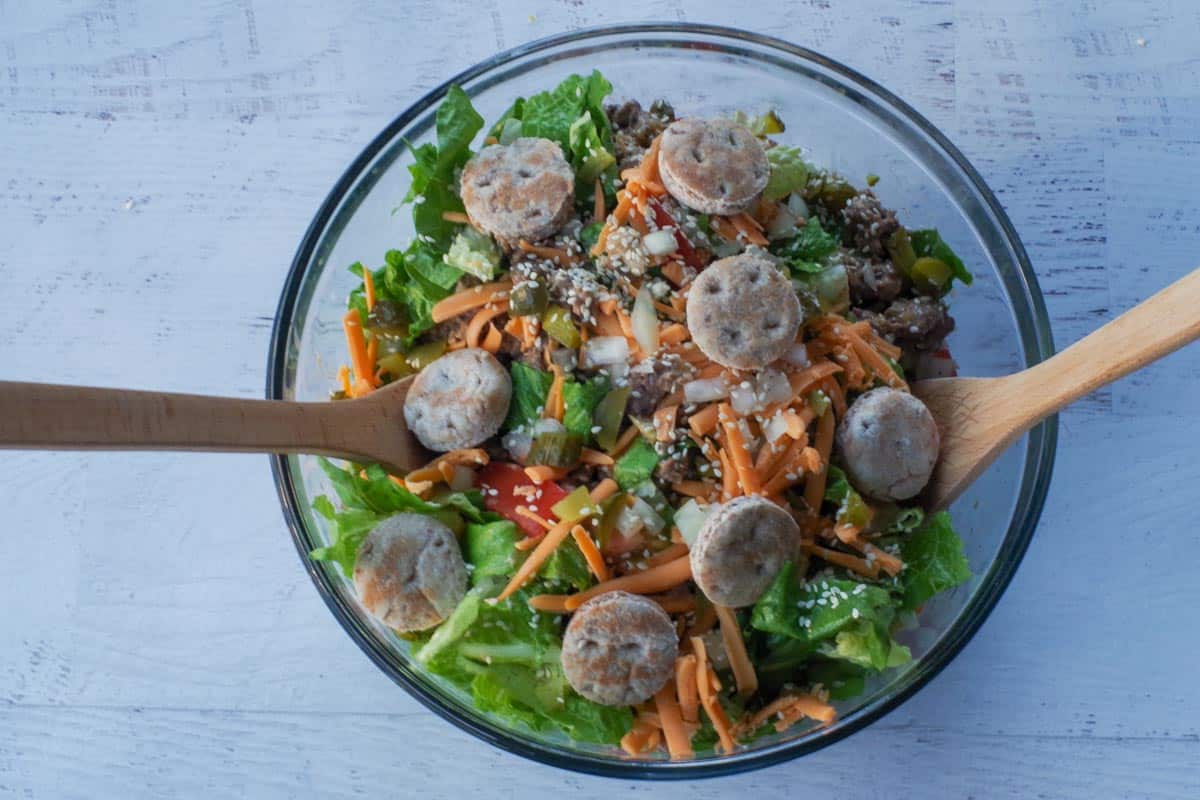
(846, 122)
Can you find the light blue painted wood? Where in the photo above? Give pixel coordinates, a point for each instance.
(158, 163)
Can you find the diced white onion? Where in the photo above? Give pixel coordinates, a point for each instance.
(773, 387)
(629, 522)
(463, 478)
(782, 225)
(798, 356)
(649, 517)
(645, 321)
(705, 390)
(775, 428)
(743, 399)
(690, 519)
(603, 350)
(548, 425)
(517, 442)
(797, 206)
(660, 243)
(618, 371)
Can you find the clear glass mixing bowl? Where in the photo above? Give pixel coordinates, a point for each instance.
(846, 122)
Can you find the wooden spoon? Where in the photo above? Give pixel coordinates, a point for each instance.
(980, 417)
(38, 416)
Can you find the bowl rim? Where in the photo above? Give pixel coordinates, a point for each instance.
(1040, 455)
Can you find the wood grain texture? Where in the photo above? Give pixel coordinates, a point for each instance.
(979, 418)
(45, 416)
(158, 165)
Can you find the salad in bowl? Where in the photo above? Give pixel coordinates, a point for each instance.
(661, 365)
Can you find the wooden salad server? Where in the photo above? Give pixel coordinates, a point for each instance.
(979, 418)
(38, 416)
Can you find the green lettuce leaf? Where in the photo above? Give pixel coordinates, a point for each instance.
(933, 561)
(551, 114)
(580, 400)
(837, 618)
(867, 644)
(929, 242)
(789, 172)
(807, 250)
(416, 278)
(490, 550)
(433, 191)
(530, 387)
(636, 464)
(566, 565)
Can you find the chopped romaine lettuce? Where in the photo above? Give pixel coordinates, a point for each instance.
(433, 191)
(580, 401)
(490, 549)
(530, 387)
(789, 172)
(836, 618)
(933, 561)
(636, 464)
(589, 157)
(566, 565)
(807, 251)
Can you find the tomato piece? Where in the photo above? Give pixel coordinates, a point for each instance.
(619, 544)
(662, 219)
(503, 492)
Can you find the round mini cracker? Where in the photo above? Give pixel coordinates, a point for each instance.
(410, 572)
(889, 442)
(713, 166)
(619, 649)
(743, 312)
(460, 400)
(522, 190)
(740, 549)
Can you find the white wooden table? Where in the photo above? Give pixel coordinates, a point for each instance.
(158, 164)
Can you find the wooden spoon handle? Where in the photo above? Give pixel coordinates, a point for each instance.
(1145, 333)
(47, 417)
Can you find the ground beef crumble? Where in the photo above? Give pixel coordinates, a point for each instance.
(653, 379)
(634, 128)
(914, 323)
(873, 281)
(868, 225)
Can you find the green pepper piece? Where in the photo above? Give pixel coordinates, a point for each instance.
(609, 413)
(557, 323)
(931, 275)
(528, 299)
(834, 193)
(899, 247)
(421, 357)
(396, 365)
(556, 449)
(819, 401)
(577, 505)
(388, 317)
(610, 509)
(854, 511)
